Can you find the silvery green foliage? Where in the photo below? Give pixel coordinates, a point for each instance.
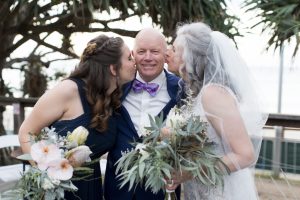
(37, 183)
(187, 148)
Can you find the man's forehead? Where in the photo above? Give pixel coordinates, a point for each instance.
(150, 44)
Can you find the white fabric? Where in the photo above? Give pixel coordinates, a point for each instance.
(140, 105)
(238, 185)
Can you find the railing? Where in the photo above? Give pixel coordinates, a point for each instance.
(283, 150)
(291, 121)
(279, 122)
(18, 105)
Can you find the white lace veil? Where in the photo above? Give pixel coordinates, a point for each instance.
(211, 59)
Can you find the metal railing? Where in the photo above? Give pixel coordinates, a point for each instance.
(285, 152)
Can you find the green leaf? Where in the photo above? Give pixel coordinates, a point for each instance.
(25, 157)
(141, 169)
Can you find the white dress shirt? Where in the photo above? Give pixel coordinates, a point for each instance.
(140, 105)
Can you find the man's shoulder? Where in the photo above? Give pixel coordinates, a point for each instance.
(171, 77)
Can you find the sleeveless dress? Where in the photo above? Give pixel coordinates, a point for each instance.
(239, 185)
(99, 143)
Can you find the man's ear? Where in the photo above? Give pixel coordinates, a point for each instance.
(113, 70)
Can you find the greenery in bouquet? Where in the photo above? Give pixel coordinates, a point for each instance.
(178, 144)
(58, 160)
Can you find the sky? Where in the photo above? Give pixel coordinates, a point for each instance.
(263, 65)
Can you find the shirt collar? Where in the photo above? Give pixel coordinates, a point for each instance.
(160, 79)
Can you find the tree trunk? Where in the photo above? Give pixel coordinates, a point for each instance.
(2, 93)
(5, 158)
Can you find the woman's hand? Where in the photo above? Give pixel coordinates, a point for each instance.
(177, 178)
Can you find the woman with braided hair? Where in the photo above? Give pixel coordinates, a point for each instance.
(88, 98)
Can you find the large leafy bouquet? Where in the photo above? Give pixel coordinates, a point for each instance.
(185, 147)
(58, 161)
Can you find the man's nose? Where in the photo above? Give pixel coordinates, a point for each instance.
(148, 55)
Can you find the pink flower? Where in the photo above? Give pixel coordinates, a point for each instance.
(43, 153)
(60, 169)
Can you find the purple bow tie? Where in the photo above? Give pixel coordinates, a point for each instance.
(151, 88)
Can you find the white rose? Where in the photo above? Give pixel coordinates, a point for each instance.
(175, 119)
(79, 155)
(79, 135)
(141, 147)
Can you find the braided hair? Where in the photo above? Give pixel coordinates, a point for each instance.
(94, 70)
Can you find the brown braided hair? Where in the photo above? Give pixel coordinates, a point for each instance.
(94, 70)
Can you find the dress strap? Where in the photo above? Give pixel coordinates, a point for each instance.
(80, 84)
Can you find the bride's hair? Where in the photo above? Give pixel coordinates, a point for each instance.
(203, 62)
(195, 38)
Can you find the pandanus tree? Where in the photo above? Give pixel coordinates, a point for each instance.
(282, 18)
(34, 21)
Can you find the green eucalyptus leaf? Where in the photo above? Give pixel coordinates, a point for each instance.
(25, 157)
(141, 169)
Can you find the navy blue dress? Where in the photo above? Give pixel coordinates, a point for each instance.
(99, 143)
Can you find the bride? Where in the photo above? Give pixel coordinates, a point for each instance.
(224, 96)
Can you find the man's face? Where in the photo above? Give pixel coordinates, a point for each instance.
(149, 54)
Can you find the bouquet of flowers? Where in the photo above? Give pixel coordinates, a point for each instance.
(58, 160)
(178, 144)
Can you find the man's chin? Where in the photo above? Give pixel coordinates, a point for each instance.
(147, 72)
(147, 75)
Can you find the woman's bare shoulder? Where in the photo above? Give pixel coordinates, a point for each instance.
(65, 89)
(215, 97)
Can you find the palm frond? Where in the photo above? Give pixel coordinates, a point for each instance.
(281, 17)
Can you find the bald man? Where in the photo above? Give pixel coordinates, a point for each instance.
(149, 52)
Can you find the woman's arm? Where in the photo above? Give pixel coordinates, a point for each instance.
(52, 106)
(223, 114)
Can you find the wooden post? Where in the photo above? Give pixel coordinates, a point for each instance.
(18, 110)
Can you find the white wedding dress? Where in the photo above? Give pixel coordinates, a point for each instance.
(227, 100)
(238, 185)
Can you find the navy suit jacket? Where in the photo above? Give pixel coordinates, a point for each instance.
(126, 135)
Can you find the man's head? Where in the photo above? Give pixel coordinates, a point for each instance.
(149, 53)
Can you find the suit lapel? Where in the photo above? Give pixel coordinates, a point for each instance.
(129, 122)
(172, 87)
